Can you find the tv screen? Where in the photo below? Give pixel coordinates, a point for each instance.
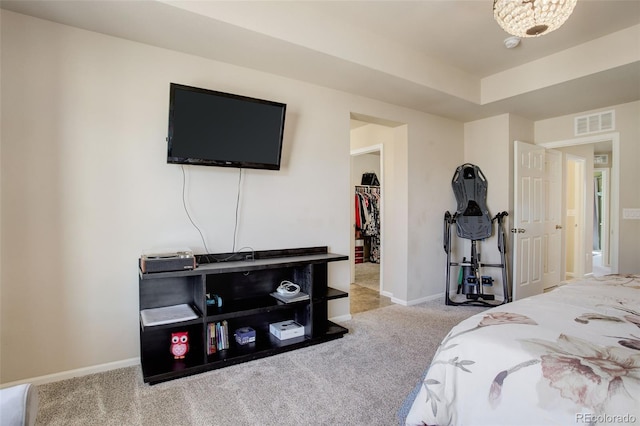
(213, 128)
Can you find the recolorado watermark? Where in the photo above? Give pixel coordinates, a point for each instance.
(590, 418)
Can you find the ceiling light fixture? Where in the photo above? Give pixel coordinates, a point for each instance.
(531, 18)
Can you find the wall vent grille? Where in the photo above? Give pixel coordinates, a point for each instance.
(600, 122)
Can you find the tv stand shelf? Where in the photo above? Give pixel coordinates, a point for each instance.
(244, 282)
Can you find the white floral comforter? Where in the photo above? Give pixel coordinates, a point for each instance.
(567, 357)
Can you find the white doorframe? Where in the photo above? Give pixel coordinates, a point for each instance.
(615, 184)
(369, 150)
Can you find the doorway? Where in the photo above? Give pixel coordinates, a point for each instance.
(608, 143)
(369, 141)
(366, 183)
(601, 198)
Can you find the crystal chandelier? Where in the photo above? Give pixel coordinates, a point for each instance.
(531, 18)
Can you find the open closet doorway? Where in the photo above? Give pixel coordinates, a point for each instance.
(367, 189)
(366, 172)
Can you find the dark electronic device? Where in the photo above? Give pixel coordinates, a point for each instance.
(167, 261)
(213, 128)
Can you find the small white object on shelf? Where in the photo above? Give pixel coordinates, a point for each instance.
(286, 329)
(290, 299)
(167, 315)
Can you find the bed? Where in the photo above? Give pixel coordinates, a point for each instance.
(569, 356)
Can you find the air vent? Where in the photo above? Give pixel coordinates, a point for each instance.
(594, 123)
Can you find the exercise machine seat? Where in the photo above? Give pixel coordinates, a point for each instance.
(472, 218)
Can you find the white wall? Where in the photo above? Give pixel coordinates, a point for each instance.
(86, 188)
(435, 150)
(489, 145)
(486, 144)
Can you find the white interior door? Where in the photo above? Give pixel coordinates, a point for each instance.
(575, 217)
(552, 238)
(528, 230)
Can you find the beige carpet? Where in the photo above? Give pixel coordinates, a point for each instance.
(360, 379)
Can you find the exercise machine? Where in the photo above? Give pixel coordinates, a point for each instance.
(474, 223)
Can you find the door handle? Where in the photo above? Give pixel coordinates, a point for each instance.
(558, 226)
(518, 231)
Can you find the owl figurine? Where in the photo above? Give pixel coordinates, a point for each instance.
(179, 344)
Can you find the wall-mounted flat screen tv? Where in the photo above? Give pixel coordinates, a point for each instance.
(213, 128)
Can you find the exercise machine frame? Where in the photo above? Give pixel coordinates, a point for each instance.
(474, 223)
(474, 279)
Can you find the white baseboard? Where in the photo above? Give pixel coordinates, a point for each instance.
(56, 377)
(341, 318)
(417, 301)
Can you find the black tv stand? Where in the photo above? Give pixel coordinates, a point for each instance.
(244, 281)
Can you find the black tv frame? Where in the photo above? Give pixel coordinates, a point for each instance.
(171, 159)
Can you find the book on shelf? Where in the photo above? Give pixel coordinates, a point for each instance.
(211, 339)
(290, 299)
(167, 314)
(225, 335)
(217, 337)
